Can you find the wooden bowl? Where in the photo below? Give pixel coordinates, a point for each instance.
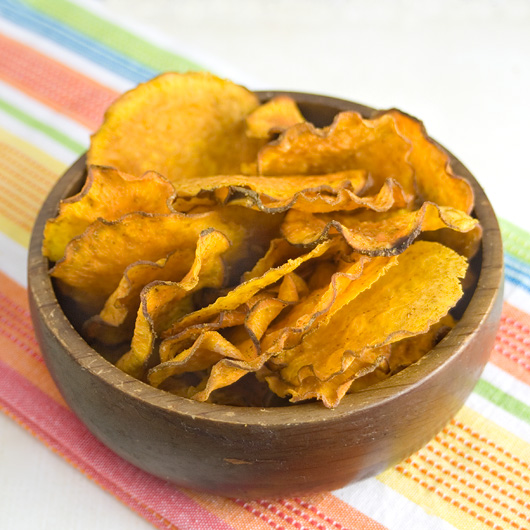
(269, 452)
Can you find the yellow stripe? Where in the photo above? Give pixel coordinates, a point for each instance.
(23, 167)
(44, 159)
(470, 479)
(14, 231)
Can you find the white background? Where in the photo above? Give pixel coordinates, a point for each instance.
(463, 67)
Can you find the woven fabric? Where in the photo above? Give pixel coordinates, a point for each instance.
(60, 67)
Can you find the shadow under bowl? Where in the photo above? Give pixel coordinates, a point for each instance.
(269, 452)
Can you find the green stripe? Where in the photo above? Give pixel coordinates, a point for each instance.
(516, 240)
(113, 36)
(46, 129)
(502, 400)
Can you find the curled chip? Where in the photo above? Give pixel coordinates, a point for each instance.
(374, 319)
(163, 302)
(273, 117)
(234, 252)
(320, 193)
(181, 125)
(107, 194)
(386, 235)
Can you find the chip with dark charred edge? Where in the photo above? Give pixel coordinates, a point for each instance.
(210, 347)
(276, 194)
(332, 390)
(390, 235)
(115, 322)
(244, 291)
(316, 309)
(404, 353)
(109, 194)
(94, 262)
(181, 125)
(373, 319)
(348, 143)
(162, 302)
(434, 177)
(273, 117)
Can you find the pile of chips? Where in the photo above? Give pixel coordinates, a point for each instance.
(233, 252)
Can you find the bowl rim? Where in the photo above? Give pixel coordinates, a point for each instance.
(489, 284)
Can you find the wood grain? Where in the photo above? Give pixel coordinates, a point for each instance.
(252, 452)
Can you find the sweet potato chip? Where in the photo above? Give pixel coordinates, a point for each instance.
(434, 177)
(115, 322)
(180, 125)
(348, 143)
(94, 262)
(273, 117)
(162, 302)
(239, 295)
(210, 347)
(109, 194)
(277, 194)
(373, 319)
(388, 235)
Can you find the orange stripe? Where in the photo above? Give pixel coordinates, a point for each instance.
(53, 83)
(18, 347)
(512, 346)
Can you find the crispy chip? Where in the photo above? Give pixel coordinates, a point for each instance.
(94, 262)
(434, 177)
(277, 194)
(162, 302)
(348, 143)
(373, 319)
(115, 322)
(388, 235)
(108, 194)
(273, 117)
(181, 125)
(243, 292)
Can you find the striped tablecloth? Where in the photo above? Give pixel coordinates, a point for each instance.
(61, 64)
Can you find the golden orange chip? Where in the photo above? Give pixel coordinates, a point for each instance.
(405, 352)
(108, 194)
(115, 322)
(94, 262)
(348, 143)
(273, 117)
(333, 389)
(277, 194)
(181, 125)
(244, 291)
(162, 302)
(426, 282)
(434, 177)
(319, 306)
(388, 235)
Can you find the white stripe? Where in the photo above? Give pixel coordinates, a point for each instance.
(517, 296)
(388, 507)
(65, 56)
(37, 138)
(174, 45)
(45, 114)
(502, 418)
(13, 259)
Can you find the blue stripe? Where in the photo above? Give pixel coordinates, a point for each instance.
(516, 264)
(516, 280)
(88, 48)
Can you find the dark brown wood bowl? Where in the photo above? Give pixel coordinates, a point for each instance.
(270, 452)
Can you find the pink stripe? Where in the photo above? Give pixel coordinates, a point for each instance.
(60, 429)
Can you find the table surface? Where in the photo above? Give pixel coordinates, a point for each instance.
(463, 67)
